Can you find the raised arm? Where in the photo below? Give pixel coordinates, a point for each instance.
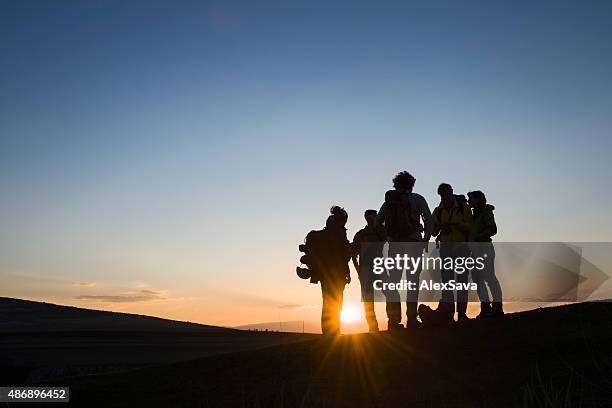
(436, 226)
(355, 249)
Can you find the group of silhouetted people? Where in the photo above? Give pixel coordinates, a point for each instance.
(405, 217)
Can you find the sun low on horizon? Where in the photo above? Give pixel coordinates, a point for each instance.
(350, 313)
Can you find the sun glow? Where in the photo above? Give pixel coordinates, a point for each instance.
(349, 314)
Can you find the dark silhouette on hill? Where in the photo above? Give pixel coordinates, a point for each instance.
(482, 228)
(326, 255)
(402, 213)
(553, 357)
(451, 222)
(368, 235)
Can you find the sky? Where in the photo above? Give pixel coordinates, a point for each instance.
(167, 158)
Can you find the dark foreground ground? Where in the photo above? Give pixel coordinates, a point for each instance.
(41, 341)
(557, 357)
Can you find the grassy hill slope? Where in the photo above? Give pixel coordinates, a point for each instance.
(555, 357)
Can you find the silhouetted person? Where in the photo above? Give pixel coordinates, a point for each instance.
(481, 230)
(401, 214)
(363, 257)
(334, 271)
(451, 223)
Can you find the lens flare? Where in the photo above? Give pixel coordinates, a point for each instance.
(349, 314)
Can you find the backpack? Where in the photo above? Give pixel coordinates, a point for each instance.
(440, 317)
(316, 254)
(399, 221)
(327, 253)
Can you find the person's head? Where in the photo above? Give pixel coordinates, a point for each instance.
(477, 199)
(370, 217)
(404, 180)
(338, 216)
(445, 191)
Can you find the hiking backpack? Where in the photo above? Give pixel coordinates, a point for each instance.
(399, 220)
(315, 250)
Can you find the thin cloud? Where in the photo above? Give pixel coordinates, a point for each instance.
(150, 292)
(288, 307)
(83, 284)
(140, 296)
(296, 307)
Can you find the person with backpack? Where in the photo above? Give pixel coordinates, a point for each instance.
(481, 230)
(401, 215)
(367, 244)
(451, 223)
(327, 256)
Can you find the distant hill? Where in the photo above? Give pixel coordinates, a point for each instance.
(295, 326)
(17, 315)
(299, 326)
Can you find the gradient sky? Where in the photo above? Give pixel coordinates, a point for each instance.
(167, 157)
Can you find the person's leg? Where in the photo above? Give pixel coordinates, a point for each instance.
(447, 301)
(481, 290)
(370, 315)
(366, 280)
(461, 250)
(462, 295)
(393, 306)
(337, 307)
(493, 283)
(481, 287)
(332, 306)
(326, 309)
(478, 276)
(412, 296)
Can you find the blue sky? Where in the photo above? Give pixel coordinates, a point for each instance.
(182, 147)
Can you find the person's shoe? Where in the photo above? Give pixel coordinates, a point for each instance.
(329, 337)
(412, 323)
(445, 313)
(462, 317)
(497, 309)
(485, 310)
(395, 327)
